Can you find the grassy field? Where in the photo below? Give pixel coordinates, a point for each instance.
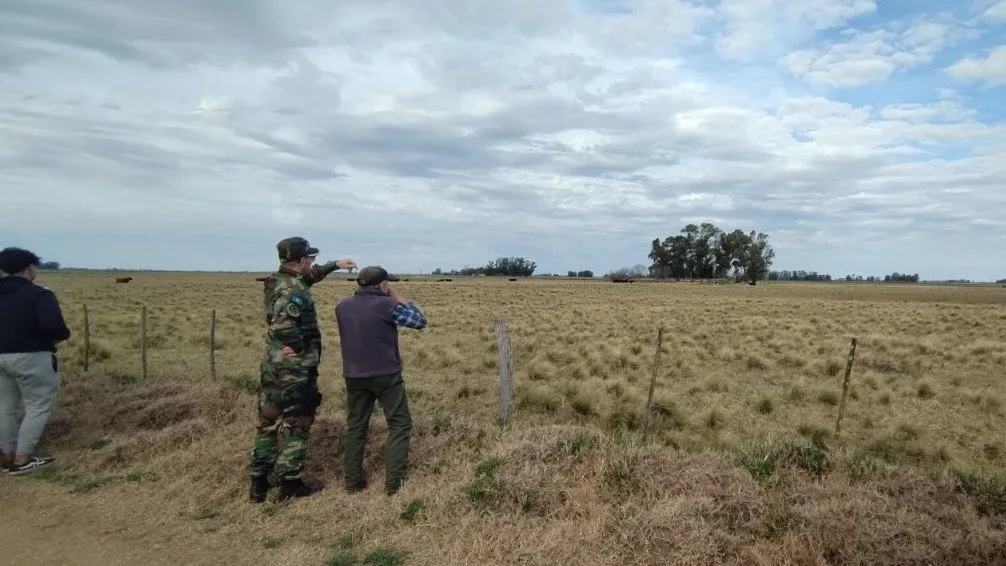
(743, 465)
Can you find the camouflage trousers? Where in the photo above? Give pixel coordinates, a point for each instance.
(288, 400)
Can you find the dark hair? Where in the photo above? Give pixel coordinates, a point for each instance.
(15, 260)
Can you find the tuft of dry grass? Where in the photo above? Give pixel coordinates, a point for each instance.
(744, 468)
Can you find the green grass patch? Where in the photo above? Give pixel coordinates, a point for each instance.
(764, 460)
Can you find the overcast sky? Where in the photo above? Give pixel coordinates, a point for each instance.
(862, 136)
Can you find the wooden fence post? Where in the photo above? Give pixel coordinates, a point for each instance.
(213, 344)
(845, 387)
(506, 369)
(87, 339)
(143, 340)
(653, 383)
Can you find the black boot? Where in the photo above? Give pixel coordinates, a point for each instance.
(296, 488)
(259, 489)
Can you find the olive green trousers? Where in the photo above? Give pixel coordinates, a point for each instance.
(361, 393)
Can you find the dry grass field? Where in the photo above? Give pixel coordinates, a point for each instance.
(742, 467)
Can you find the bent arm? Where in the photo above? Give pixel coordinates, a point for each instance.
(49, 317)
(409, 316)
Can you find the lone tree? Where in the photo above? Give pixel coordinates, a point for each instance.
(758, 256)
(707, 252)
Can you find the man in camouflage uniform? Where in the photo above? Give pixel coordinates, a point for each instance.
(289, 396)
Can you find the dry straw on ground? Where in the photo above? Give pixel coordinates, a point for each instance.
(743, 466)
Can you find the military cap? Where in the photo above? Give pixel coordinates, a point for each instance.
(295, 248)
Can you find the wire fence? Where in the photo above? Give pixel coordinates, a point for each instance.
(505, 365)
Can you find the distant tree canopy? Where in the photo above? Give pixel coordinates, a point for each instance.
(584, 273)
(892, 278)
(707, 252)
(508, 266)
(637, 271)
(799, 275)
(901, 278)
(1001, 281)
(54, 265)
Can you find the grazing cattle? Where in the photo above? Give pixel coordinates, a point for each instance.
(123, 279)
(351, 279)
(444, 279)
(260, 279)
(513, 279)
(406, 279)
(623, 280)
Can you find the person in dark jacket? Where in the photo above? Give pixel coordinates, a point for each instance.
(372, 367)
(31, 323)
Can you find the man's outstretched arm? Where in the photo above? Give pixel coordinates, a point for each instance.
(319, 272)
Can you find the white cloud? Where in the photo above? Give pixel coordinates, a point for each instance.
(990, 69)
(752, 28)
(434, 133)
(996, 12)
(872, 56)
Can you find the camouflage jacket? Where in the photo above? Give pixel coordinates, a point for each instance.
(291, 318)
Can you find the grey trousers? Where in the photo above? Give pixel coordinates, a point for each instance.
(32, 379)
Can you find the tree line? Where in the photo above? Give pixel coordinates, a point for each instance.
(707, 252)
(697, 252)
(800, 275)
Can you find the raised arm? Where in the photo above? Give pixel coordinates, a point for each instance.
(319, 272)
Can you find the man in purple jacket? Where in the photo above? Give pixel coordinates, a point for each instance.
(372, 367)
(31, 323)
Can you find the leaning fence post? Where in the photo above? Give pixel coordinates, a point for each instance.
(653, 383)
(506, 369)
(87, 339)
(213, 344)
(143, 340)
(845, 387)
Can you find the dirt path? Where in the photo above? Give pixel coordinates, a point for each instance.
(42, 527)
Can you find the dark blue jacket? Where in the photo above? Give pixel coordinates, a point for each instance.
(30, 317)
(368, 334)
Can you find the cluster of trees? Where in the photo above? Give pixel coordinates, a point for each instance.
(508, 266)
(892, 278)
(637, 271)
(584, 273)
(901, 278)
(707, 252)
(799, 275)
